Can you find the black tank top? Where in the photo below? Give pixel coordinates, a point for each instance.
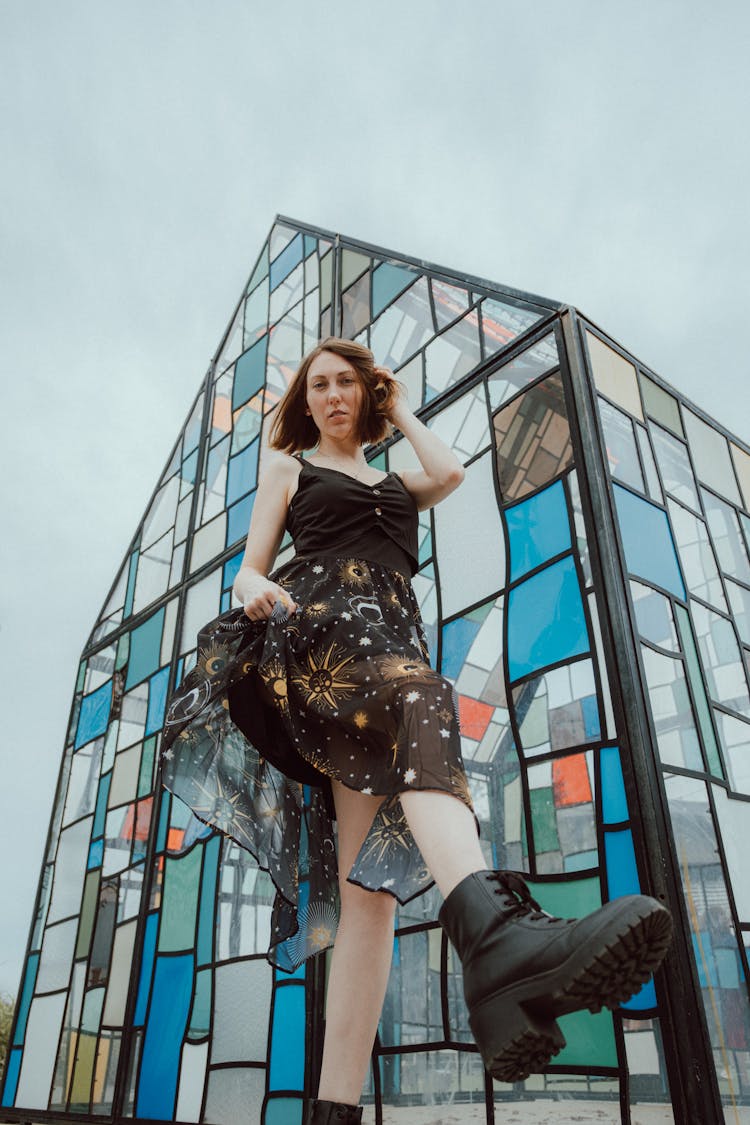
(331, 513)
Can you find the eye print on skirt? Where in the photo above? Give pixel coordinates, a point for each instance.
(185, 706)
(366, 608)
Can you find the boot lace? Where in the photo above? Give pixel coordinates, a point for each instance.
(513, 886)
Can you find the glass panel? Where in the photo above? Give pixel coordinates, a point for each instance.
(57, 956)
(739, 599)
(649, 550)
(40, 1051)
(720, 653)
(653, 614)
(451, 356)
(697, 557)
(710, 452)
(243, 921)
(119, 975)
(676, 735)
(720, 973)
(404, 327)
(533, 439)
(614, 376)
(649, 464)
(538, 529)
(503, 322)
(661, 405)
(355, 307)
(464, 425)
(388, 280)
(700, 698)
(412, 1010)
(620, 445)
(201, 605)
(83, 781)
(734, 736)
(192, 1081)
(70, 868)
(725, 532)
(524, 369)
(242, 1005)
(469, 540)
(558, 710)
(546, 623)
(675, 468)
(450, 302)
(741, 461)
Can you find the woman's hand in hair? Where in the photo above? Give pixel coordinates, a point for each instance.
(394, 401)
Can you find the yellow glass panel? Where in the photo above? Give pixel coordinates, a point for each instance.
(614, 376)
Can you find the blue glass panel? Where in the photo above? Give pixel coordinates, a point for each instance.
(538, 529)
(310, 244)
(162, 1043)
(458, 637)
(581, 861)
(728, 967)
(94, 714)
(11, 1076)
(238, 519)
(225, 602)
(231, 568)
(96, 854)
(387, 282)
(242, 476)
(24, 1003)
(249, 373)
(649, 549)
(180, 670)
(161, 832)
(145, 649)
(189, 466)
(147, 967)
(705, 959)
(287, 1062)
(590, 712)
(130, 592)
(546, 622)
(157, 701)
(622, 874)
(207, 908)
(283, 1111)
(289, 257)
(100, 812)
(614, 801)
(643, 1000)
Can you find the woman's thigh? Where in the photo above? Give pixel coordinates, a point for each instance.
(355, 813)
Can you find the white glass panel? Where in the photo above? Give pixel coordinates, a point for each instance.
(161, 514)
(242, 1002)
(40, 1051)
(722, 662)
(742, 465)
(83, 781)
(734, 822)
(192, 1080)
(202, 605)
(70, 868)
(133, 716)
(153, 572)
(696, 555)
(710, 451)
(99, 669)
(464, 425)
(167, 637)
(125, 776)
(208, 542)
(234, 1094)
(119, 974)
(57, 956)
(469, 540)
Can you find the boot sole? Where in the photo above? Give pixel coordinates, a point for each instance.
(516, 1028)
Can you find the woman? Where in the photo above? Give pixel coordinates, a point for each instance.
(329, 685)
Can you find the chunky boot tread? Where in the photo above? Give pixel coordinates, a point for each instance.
(529, 1053)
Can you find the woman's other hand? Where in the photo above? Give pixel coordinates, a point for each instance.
(259, 595)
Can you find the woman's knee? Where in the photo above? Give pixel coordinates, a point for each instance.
(372, 907)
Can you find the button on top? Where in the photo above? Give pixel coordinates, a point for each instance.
(378, 512)
(376, 492)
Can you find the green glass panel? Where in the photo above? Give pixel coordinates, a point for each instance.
(544, 821)
(88, 913)
(379, 462)
(703, 710)
(80, 1092)
(570, 899)
(180, 903)
(283, 1111)
(200, 1013)
(661, 405)
(145, 649)
(81, 675)
(145, 778)
(352, 265)
(206, 921)
(123, 651)
(590, 1040)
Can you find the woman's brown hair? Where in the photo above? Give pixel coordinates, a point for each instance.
(293, 430)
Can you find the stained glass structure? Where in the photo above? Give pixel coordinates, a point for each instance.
(587, 591)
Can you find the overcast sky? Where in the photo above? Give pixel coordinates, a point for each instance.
(591, 152)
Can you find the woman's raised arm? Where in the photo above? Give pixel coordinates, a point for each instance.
(442, 470)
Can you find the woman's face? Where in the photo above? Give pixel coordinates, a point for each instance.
(334, 395)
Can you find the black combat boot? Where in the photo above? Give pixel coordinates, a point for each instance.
(331, 1113)
(522, 968)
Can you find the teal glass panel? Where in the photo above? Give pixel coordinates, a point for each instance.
(161, 832)
(147, 967)
(130, 592)
(100, 813)
(11, 1076)
(199, 1024)
(287, 1062)
(702, 707)
(387, 282)
(157, 700)
(614, 800)
(206, 917)
(189, 467)
(146, 773)
(283, 1111)
(287, 260)
(649, 550)
(543, 821)
(180, 901)
(29, 980)
(162, 1043)
(622, 873)
(571, 898)
(93, 717)
(538, 529)
(546, 622)
(249, 373)
(238, 519)
(590, 1041)
(96, 854)
(242, 476)
(145, 649)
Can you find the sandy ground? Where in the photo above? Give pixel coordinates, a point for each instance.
(542, 1112)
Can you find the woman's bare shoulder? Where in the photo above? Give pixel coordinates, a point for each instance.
(280, 466)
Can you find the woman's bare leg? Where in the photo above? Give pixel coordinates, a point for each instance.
(446, 835)
(360, 962)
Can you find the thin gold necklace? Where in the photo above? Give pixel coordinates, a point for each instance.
(328, 457)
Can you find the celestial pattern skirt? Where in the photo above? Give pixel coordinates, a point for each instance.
(272, 710)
